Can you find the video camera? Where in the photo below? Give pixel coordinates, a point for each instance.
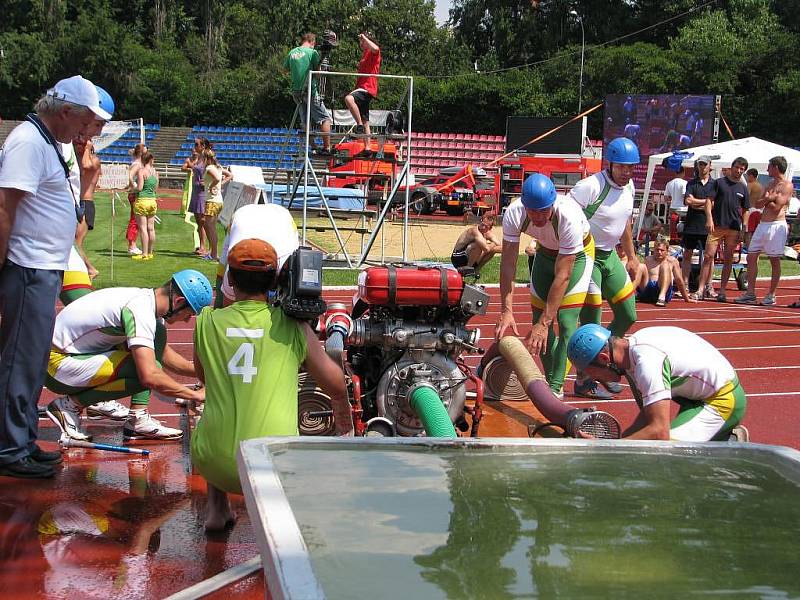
(329, 41)
(300, 287)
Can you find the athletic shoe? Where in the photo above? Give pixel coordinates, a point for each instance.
(142, 426)
(147, 257)
(709, 293)
(591, 389)
(721, 297)
(559, 394)
(134, 251)
(66, 413)
(111, 409)
(739, 434)
(27, 468)
(746, 298)
(45, 457)
(612, 386)
(139, 256)
(768, 300)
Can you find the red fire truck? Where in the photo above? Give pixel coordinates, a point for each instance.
(564, 169)
(354, 166)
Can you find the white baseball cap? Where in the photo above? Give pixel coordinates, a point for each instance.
(80, 91)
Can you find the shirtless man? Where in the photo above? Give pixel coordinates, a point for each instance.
(476, 245)
(90, 169)
(770, 235)
(658, 277)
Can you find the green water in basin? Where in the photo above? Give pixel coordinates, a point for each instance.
(419, 523)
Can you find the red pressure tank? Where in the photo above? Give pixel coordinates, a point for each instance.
(410, 286)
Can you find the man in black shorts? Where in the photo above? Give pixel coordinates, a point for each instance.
(699, 192)
(359, 99)
(476, 245)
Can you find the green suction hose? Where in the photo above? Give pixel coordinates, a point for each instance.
(428, 406)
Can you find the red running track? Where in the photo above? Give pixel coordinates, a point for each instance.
(154, 509)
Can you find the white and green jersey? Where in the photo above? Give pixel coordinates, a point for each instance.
(608, 207)
(565, 232)
(250, 353)
(102, 320)
(669, 362)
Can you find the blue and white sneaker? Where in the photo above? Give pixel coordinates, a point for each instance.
(614, 387)
(589, 388)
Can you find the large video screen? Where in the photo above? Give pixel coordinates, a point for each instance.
(567, 140)
(659, 123)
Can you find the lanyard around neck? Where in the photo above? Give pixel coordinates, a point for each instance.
(34, 119)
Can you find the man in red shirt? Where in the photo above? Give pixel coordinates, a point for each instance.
(359, 99)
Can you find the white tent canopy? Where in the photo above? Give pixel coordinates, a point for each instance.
(755, 150)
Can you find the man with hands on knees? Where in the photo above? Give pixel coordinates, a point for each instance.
(560, 275)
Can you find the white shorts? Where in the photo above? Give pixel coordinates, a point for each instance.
(769, 238)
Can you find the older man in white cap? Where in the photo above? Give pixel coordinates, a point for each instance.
(38, 216)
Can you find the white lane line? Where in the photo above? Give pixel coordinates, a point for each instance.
(631, 400)
(760, 347)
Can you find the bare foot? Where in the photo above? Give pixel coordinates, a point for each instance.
(219, 522)
(219, 514)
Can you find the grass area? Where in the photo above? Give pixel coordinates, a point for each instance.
(174, 248)
(175, 251)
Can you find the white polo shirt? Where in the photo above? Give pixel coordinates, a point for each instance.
(44, 225)
(669, 362)
(100, 321)
(615, 210)
(564, 232)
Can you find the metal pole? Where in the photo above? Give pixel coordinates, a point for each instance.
(308, 160)
(330, 216)
(580, 80)
(407, 170)
(382, 214)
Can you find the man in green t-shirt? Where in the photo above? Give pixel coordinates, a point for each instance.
(299, 62)
(248, 354)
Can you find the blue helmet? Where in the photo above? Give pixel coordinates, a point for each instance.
(106, 101)
(623, 151)
(195, 287)
(586, 343)
(538, 192)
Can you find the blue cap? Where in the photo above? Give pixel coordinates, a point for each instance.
(106, 101)
(622, 151)
(195, 287)
(586, 343)
(538, 192)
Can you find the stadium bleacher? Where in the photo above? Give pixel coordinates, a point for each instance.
(118, 150)
(263, 147)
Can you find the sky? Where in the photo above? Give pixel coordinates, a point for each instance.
(442, 10)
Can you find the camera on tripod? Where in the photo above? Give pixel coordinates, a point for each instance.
(329, 41)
